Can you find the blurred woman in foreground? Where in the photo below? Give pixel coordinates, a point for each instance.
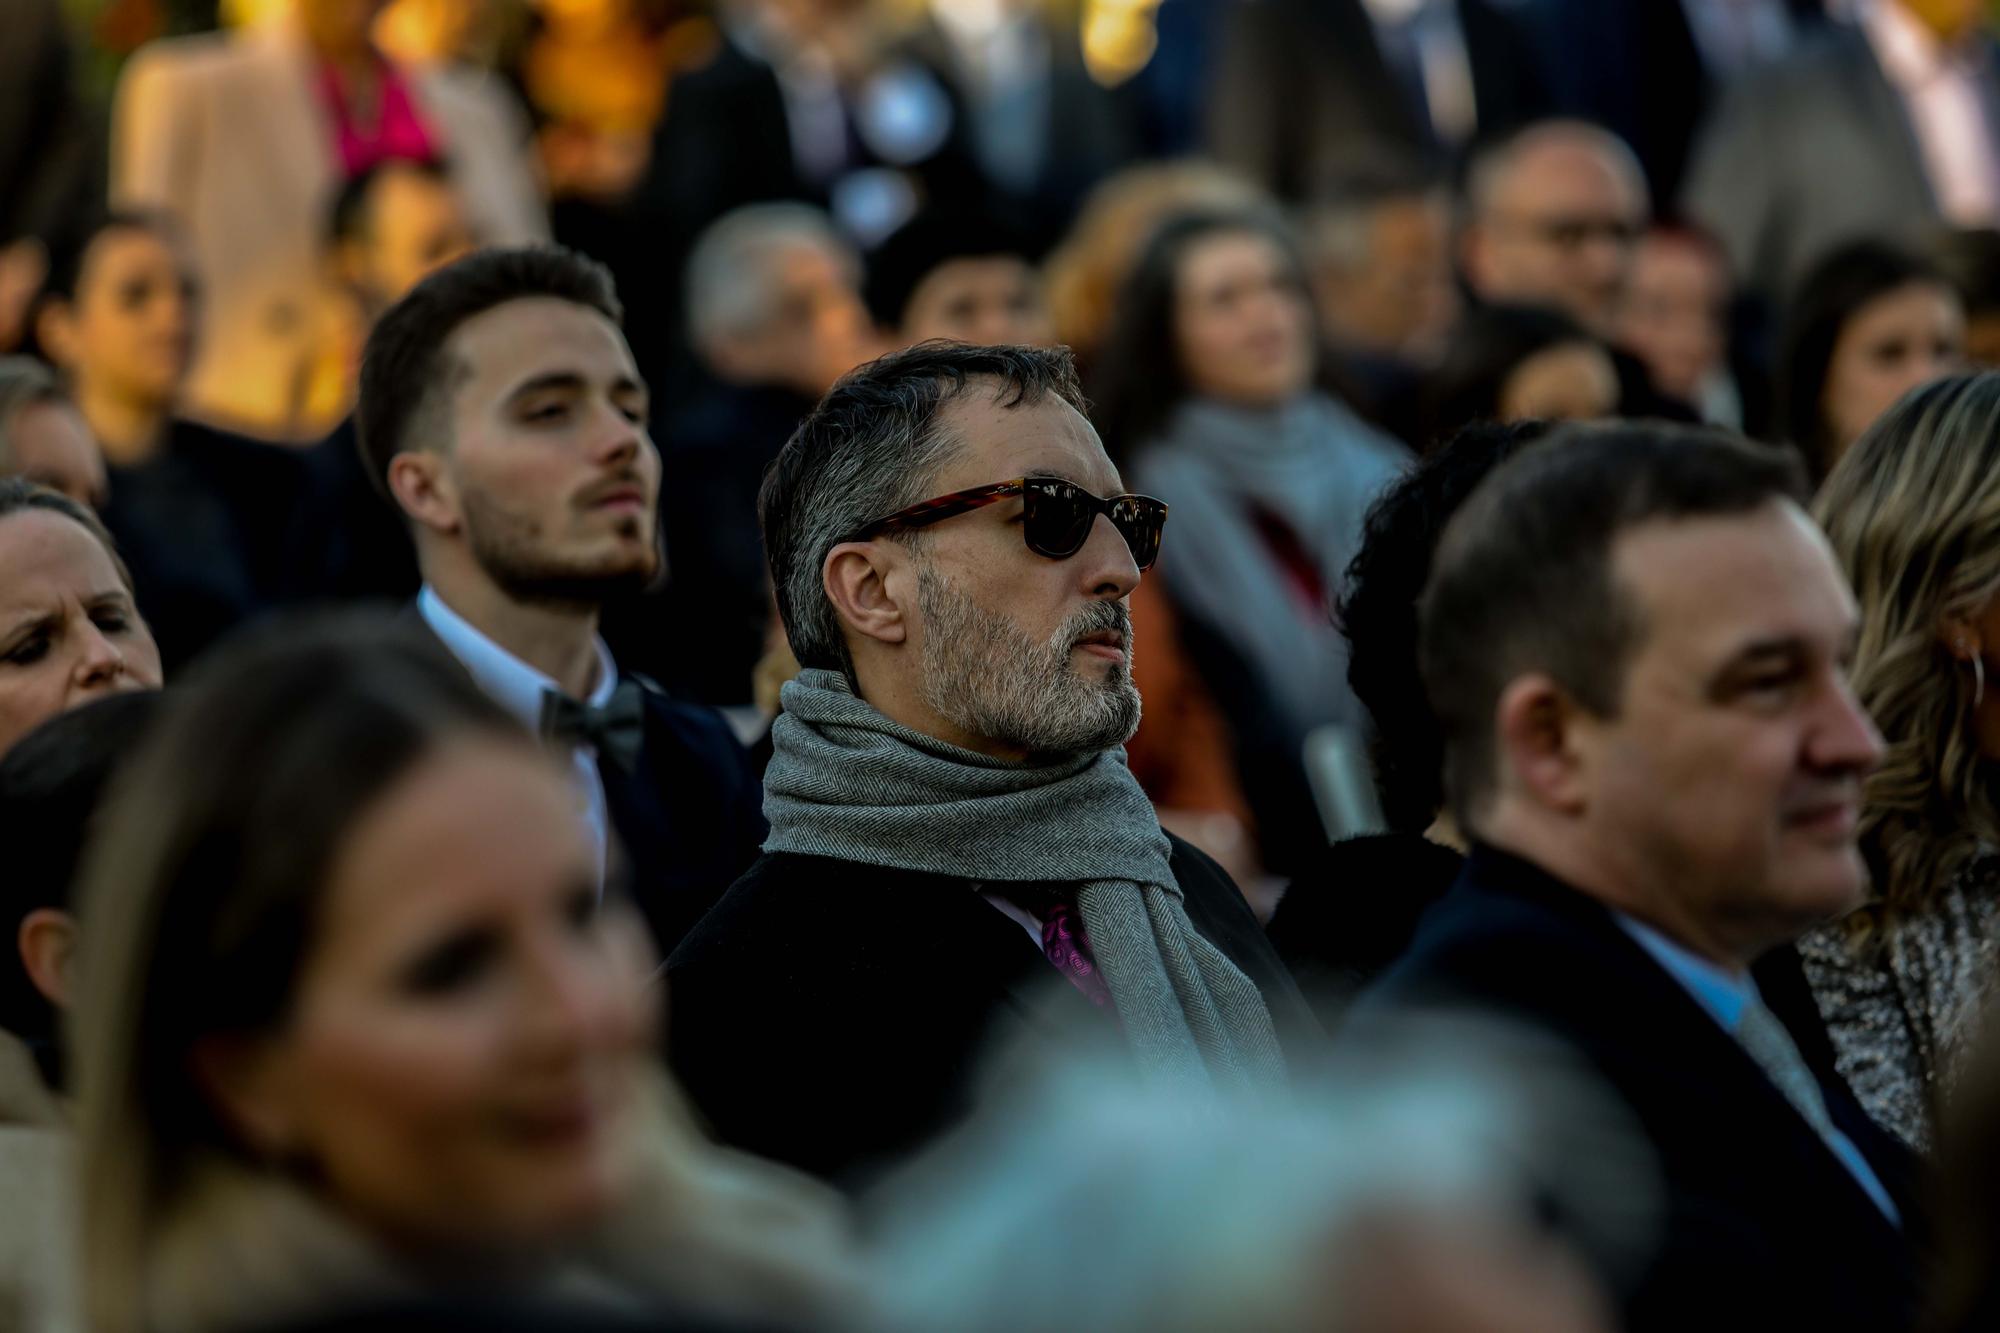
(354, 1026)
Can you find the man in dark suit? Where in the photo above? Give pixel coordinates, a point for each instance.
(959, 855)
(500, 409)
(1635, 640)
(1305, 89)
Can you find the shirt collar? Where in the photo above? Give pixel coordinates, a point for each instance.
(514, 684)
(1724, 994)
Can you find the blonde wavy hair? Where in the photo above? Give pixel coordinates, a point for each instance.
(1913, 512)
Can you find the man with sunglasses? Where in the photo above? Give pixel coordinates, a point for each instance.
(958, 857)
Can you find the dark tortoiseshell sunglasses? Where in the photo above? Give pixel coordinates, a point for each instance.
(1056, 516)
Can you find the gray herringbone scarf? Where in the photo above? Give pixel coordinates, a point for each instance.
(846, 782)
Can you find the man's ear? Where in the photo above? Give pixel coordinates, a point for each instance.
(422, 485)
(47, 942)
(1536, 734)
(855, 576)
(246, 1078)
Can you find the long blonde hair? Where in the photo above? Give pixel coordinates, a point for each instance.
(1913, 512)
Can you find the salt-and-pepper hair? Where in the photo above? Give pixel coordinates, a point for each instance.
(730, 277)
(872, 447)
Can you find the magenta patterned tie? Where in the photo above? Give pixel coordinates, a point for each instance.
(1067, 945)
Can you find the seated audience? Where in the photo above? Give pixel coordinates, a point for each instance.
(246, 135)
(202, 516)
(1207, 390)
(1675, 319)
(775, 313)
(1519, 363)
(1550, 217)
(501, 410)
(954, 832)
(69, 629)
(1868, 324)
(43, 439)
(1379, 246)
(392, 224)
(49, 787)
(1634, 638)
(1913, 512)
(352, 1024)
(958, 275)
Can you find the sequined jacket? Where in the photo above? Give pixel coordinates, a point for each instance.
(1903, 1008)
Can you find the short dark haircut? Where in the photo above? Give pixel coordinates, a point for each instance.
(50, 783)
(404, 367)
(1830, 295)
(1385, 584)
(1523, 581)
(348, 218)
(871, 447)
(926, 243)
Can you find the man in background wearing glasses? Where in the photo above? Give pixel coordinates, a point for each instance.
(959, 857)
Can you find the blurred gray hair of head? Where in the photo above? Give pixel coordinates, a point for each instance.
(24, 383)
(1487, 177)
(730, 280)
(1392, 1192)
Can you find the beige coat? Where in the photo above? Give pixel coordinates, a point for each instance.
(704, 1230)
(224, 131)
(37, 1198)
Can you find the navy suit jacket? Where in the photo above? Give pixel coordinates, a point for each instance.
(689, 817)
(1763, 1227)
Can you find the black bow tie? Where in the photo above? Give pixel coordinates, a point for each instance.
(615, 731)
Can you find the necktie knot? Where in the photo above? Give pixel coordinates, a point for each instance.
(616, 730)
(1068, 947)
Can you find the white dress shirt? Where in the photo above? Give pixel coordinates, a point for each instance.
(519, 688)
(1945, 94)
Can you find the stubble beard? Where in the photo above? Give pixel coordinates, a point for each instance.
(514, 553)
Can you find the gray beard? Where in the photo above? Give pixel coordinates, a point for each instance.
(983, 675)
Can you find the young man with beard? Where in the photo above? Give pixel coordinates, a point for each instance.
(500, 409)
(958, 857)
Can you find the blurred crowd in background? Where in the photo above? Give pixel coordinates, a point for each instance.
(1319, 265)
(1372, 221)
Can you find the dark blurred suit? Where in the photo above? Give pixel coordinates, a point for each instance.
(1302, 90)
